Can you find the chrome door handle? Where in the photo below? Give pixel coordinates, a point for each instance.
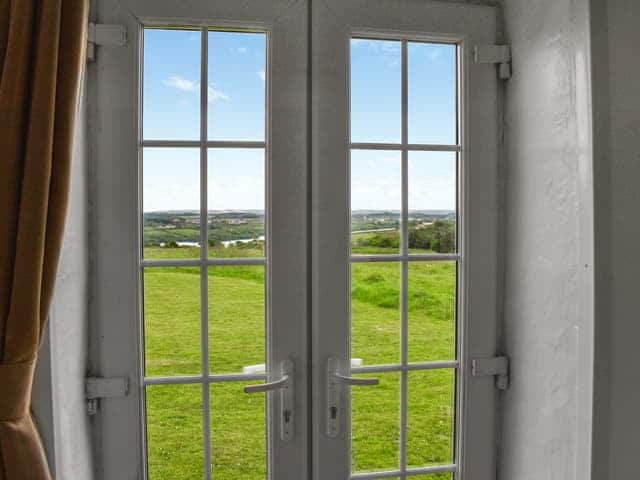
(268, 387)
(285, 385)
(354, 381)
(334, 381)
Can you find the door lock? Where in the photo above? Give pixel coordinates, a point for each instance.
(335, 380)
(285, 385)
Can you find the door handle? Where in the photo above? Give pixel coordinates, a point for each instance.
(285, 385)
(334, 381)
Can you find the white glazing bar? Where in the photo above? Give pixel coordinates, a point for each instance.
(433, 148)
(436, 257)
(425, 147)
(182, 380)
(407, 367)
(197, 143)
(204, 243)
(405, 265)
(170, 144)
(408, 473)
(189, 380)
(187, 262)
(197, 261)
(376, 146)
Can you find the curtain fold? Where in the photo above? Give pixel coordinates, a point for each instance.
(42, 48)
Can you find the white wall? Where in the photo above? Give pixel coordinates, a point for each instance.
(548, 268)
(58, 398)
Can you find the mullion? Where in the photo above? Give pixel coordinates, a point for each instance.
(204, 250)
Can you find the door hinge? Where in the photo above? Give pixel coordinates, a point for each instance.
(492, 367)
(100, 387)
(102, 34)
(497, 54)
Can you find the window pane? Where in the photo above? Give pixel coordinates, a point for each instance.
(237, 78)
(375, 91)
(236, 317)
(432, 202)
(171, 100)
(432, 72)
(238, 433)
(172, 321)
(174, 432)
(171, 203)
(430, 417)
(236, 202)
(375, 201)
(432, 311)
(375, 312)
(375, 425)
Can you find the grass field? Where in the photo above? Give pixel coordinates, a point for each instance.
(236, 316)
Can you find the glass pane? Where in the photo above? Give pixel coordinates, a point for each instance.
(432, 311)
(432, 202)
(432, 79)
(174, 432)
(238, 433)
(375, 313)
(430, 417)
(376, 186)
(236, 317)
(236, 202)
(171, 203)
(172, 321)
(171, 85)
(237, 78)
(375, 91)
(375, 425)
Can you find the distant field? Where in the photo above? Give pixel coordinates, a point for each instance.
(236, 313)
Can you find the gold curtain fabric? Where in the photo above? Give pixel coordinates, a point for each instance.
(42, 45)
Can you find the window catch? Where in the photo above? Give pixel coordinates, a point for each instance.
(496, 367)
(104, 387)
(497, 54)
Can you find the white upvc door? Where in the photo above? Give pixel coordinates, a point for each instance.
(405, 136)
(200, 138)
(311, 210)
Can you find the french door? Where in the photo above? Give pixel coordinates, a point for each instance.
(294, 240)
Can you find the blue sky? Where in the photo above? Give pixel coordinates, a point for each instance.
(236, 111)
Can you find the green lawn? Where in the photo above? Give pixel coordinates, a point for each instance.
(236, 316)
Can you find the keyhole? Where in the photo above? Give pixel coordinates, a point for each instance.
(287, 416)
(334, 412)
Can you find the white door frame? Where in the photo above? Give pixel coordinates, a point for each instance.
(116, 277)
(334, 22)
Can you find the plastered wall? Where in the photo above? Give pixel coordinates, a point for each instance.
(548, 243)
(58, 397)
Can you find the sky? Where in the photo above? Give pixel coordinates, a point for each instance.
(236, 111)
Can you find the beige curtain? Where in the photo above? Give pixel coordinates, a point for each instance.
(42, 45)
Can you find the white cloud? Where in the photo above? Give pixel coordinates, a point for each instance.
(215, 95)
(175, 81)
(186, 85)
(242, 50)
(261, 75)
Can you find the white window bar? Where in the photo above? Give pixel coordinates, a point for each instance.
(404, 258)
(407, 473)
(204, 247)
